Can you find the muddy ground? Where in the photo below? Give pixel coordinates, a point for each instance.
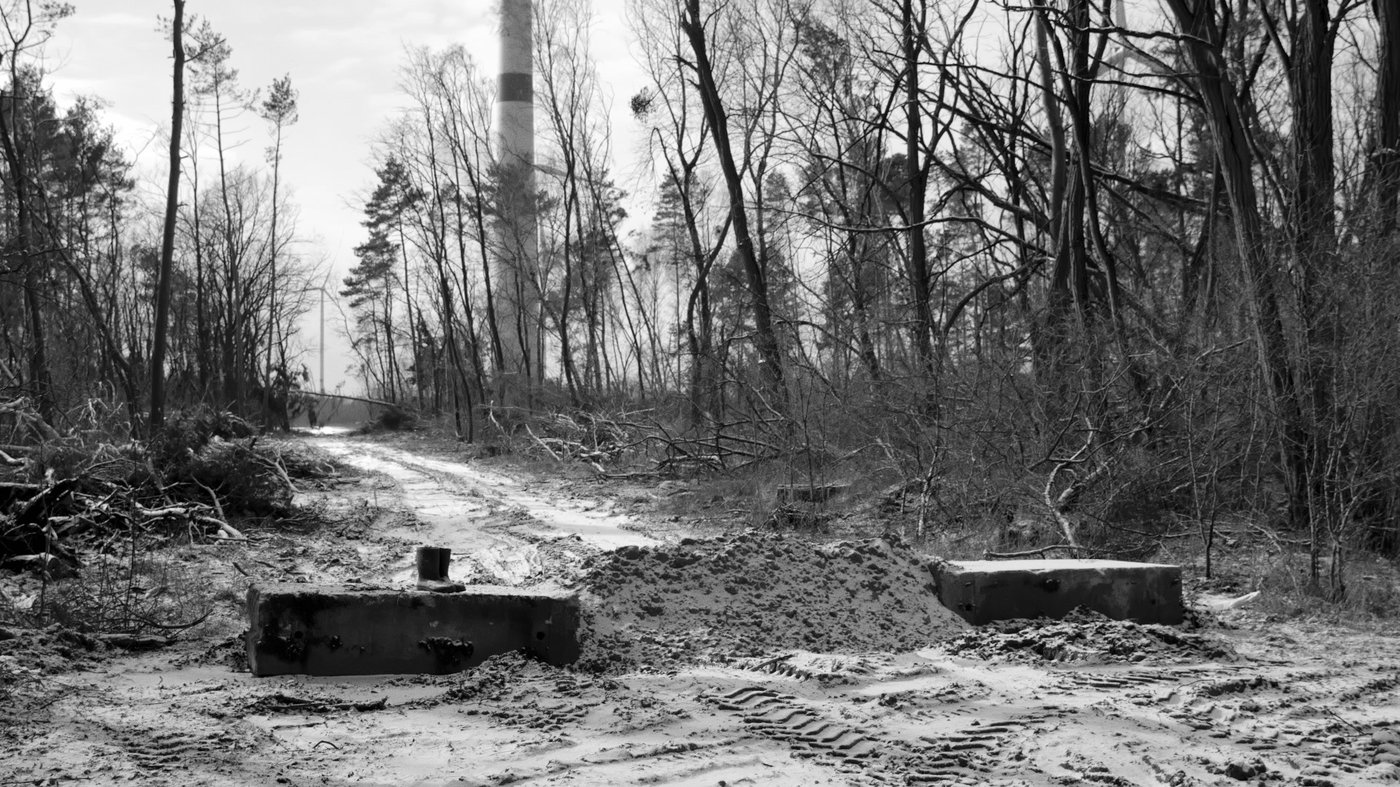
(717, 656)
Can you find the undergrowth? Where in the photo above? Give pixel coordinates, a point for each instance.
(99, 533)
(964, 497)
(149, 594)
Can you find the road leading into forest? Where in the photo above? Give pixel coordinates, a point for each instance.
(492, 522)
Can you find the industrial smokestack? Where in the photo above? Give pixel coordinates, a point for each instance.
(517, 247)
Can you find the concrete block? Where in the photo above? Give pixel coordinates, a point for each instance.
(981, 591)
(810, 493)
(346, 630)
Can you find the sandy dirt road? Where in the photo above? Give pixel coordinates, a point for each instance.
(498, 527)
(1237, 700)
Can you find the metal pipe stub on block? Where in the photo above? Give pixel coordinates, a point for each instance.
(349, 630)
(433, 563)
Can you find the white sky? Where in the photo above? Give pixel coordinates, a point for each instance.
(344, 58)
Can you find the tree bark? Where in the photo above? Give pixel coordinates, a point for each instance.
(1386, 157)
(1225, 118)
(172, 202)
(916, 262)
(765, 340)
(40, 382)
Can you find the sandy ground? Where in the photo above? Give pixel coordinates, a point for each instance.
(751, 659)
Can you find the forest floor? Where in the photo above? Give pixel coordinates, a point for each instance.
(715, 655)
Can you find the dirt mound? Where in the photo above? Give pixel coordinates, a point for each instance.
(518, 692)
(46, 651)
(495, 678)
(1087, 637)
(230, 652)
(753, 593)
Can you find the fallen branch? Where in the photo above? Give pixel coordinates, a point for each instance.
(275, 464)
(229, 531)
(223, 530)
(134, 641)
(989, 555)
(22, 412)
(167, 511)
(925, 498)
(634, 475)
(177, 627)
(17, 488)
(491, 416)
(196, 513)
(360, 399)
(541, 444)
(1057, 504)
(1334, 715)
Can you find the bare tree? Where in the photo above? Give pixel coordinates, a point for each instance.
(1386, 155)
(172, 204)
(279, 109)
(26, 27)
(699, 31)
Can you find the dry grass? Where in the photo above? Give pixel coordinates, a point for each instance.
(149, 593)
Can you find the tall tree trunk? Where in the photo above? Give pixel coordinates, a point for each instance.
(413, 338)
(765, 339)
(448, 314)
(1068, 271)
(172, 205)
(234, 356)
(572, 242)
(40, 382)
(1225, 118)
(273, 338)
(1314, 242)
(1310, 81)
(916, 263)
(204, 342)
(1387, 145)
(493, 324)
(474, 344)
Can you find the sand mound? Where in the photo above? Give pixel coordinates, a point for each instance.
(753, 593)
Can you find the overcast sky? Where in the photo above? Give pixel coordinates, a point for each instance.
(343, 57)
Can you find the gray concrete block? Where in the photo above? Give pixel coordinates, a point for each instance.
(810, 493)
(982, 591)
(346, 630)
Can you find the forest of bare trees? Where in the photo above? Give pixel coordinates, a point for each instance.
(98, 289)
(1088, 272)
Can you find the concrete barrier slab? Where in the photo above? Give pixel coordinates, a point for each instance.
(347, 630)
(810, 493)
(982, 591)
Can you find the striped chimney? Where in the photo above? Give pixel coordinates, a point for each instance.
(517, 295)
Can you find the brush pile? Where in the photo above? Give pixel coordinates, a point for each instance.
(581, 437)
(60, 494)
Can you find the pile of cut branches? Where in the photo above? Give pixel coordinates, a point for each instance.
(580, 437)
(192, 480)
